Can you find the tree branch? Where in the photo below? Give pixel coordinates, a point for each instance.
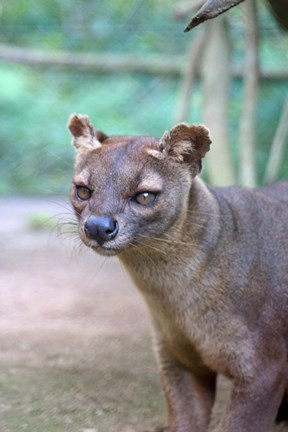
(88, 62)
(211, 9)
(112, 63)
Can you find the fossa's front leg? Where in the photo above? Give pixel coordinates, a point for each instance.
(254, 402)
(189, 396)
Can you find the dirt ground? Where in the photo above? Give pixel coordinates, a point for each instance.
(75, 343)
(76, 352)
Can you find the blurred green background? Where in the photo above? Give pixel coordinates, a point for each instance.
(36, 101)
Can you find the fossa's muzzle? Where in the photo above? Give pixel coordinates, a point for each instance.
(101, 228)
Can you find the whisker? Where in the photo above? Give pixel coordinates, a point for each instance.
(168, 241)
(66, 225)
(138, 249)
(149, 246)
(200, 212)
(65, 204)
(174, 242)
(198, 225)
(77, 246)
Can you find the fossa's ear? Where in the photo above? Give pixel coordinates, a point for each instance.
(85, 135)
(186, 143)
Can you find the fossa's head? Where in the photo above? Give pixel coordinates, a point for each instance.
(129, 189)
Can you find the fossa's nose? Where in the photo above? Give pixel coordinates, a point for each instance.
(101, 228)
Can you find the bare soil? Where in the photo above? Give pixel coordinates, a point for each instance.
(76, 352)
(75, 344)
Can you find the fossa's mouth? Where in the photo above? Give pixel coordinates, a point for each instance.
(106, 251)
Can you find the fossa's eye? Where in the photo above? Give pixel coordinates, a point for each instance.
(146, 198)
(83, 193)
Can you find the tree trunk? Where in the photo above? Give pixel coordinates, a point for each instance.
(194, 60)
(247, 130)
(216, 88)
(278, 146)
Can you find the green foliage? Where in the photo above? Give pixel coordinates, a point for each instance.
(95, 25)
(35, 155)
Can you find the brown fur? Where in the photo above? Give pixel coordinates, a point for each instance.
(211, 263)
